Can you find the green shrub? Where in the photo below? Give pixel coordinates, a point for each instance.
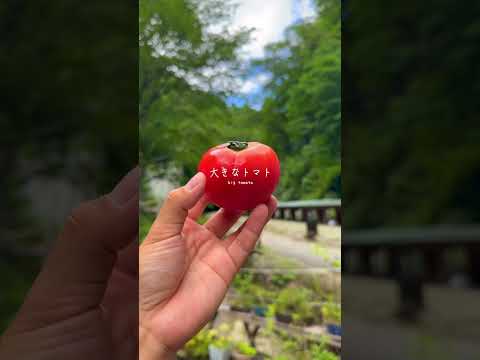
(332, 312)
(298, 348)
(296, 302)
(318, 352)
(242, 281)
(249, 294)
(282, 280)
(245, 349)
(197, 347)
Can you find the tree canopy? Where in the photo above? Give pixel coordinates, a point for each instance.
(411, 142)
(302, 112)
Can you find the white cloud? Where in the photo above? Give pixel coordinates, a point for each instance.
(269, 18)
(306, 9)
(253, 84)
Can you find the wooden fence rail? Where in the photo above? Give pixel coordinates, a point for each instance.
(311, 212)
(302, 210)
(413, 257)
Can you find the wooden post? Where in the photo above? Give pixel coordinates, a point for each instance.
(393, 262)
(474, 263)
(365, 261)
(311, 222)
(432, 257)
(282, 213)
(304, 214)
(410, 281)
(338, 215)
(251, 332)
(321, 215)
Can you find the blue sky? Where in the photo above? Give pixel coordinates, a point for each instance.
(269, 18)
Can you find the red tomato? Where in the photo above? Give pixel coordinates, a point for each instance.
(240, 175)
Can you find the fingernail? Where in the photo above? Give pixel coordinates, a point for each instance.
(275, 207)
(262, 206)
(195, 181)
(126, 188)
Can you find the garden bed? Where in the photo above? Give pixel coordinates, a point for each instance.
(280, 307)
(315, 333)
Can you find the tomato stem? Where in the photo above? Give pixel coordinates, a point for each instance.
(237, 145)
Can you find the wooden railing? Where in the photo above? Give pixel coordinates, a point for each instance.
(414, 257)
(302, 210)
(311, 212)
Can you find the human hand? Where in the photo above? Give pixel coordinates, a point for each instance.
(185, 268)
(84, 303)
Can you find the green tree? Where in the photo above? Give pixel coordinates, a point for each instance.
(67, 113)
(185, 72)
(302, 112)
(412, 135)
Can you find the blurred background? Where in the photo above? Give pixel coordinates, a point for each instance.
(213, 71)
(410, 170)
(68, 113)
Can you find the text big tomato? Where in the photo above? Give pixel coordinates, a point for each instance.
(240, 175)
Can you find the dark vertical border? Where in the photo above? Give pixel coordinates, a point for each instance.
(68, 111)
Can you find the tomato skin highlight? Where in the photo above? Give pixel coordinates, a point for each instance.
(240, 176)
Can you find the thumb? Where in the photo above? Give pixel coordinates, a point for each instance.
(75, 274)
(174, 211)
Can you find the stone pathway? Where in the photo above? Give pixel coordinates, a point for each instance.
(311, 254)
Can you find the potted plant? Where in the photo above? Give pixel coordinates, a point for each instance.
(260, 297)
(316, 314)
(243, 351)
(238, 304)
(220, 347)
(281, 280)
(197, 347)
(332, 316)
(254, 298)
(320, 352)
(293, 304)
(242, 284)
(244, 300)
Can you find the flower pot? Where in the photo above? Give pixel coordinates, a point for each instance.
(286, 318)
(239, 309)
(334, 329)
(309, 321)
(237, 356)
(215, 353)
(260, 311)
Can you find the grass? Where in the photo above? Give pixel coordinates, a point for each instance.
(267, 258)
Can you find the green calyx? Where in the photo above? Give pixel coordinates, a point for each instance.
(237, 145)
